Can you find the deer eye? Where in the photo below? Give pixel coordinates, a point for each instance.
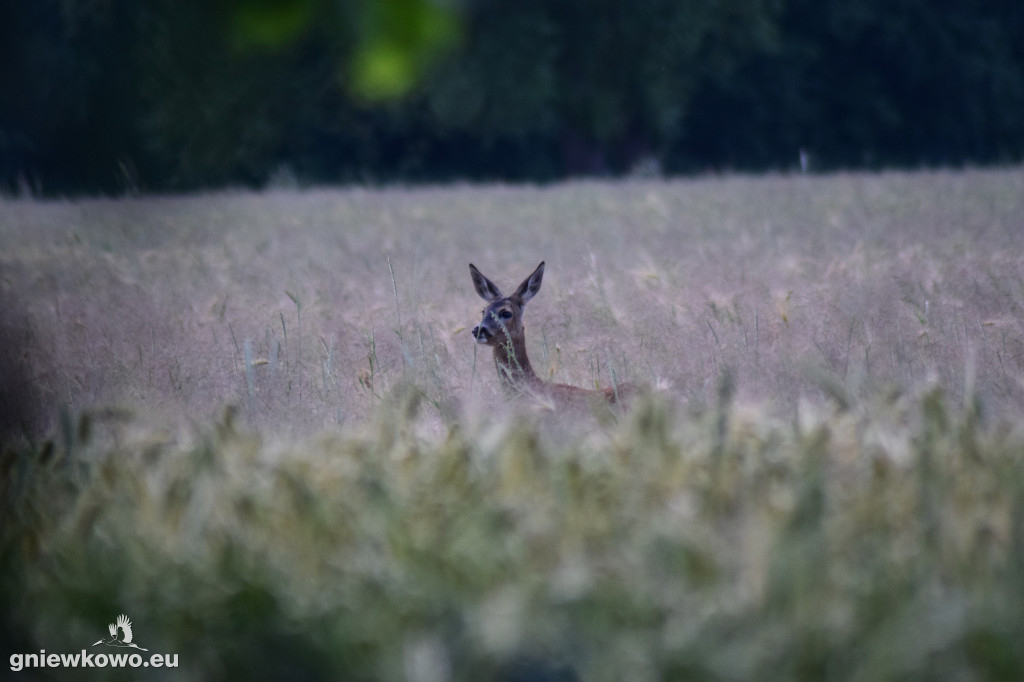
(505, 314)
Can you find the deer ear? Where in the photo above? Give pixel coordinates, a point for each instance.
(485, 287)
(531, 285)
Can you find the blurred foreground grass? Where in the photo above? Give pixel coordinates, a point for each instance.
(876, 540)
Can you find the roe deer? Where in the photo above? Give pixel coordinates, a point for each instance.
(502, 329)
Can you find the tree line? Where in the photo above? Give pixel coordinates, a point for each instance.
(173, 95)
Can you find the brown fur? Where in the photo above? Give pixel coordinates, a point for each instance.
(502, 329)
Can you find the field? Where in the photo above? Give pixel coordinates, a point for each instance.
(257, 424)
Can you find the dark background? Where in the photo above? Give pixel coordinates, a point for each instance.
(109, 96)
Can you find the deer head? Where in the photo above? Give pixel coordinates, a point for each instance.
(502, 323)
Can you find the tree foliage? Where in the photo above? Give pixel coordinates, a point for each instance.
(169, 95)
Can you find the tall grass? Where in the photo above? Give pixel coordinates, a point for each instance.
(879, 541)
(883, 282)
(257, 425)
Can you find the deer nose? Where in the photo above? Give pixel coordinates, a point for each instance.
(480, 333)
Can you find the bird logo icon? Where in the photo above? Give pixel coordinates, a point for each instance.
(125, 626)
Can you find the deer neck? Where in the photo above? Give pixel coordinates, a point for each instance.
(513, 364)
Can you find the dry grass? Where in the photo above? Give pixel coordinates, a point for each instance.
(824, 485)
(874, 280)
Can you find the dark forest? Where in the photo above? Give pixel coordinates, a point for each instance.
(168, 96)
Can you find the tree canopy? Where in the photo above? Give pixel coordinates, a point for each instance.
(171, 95)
